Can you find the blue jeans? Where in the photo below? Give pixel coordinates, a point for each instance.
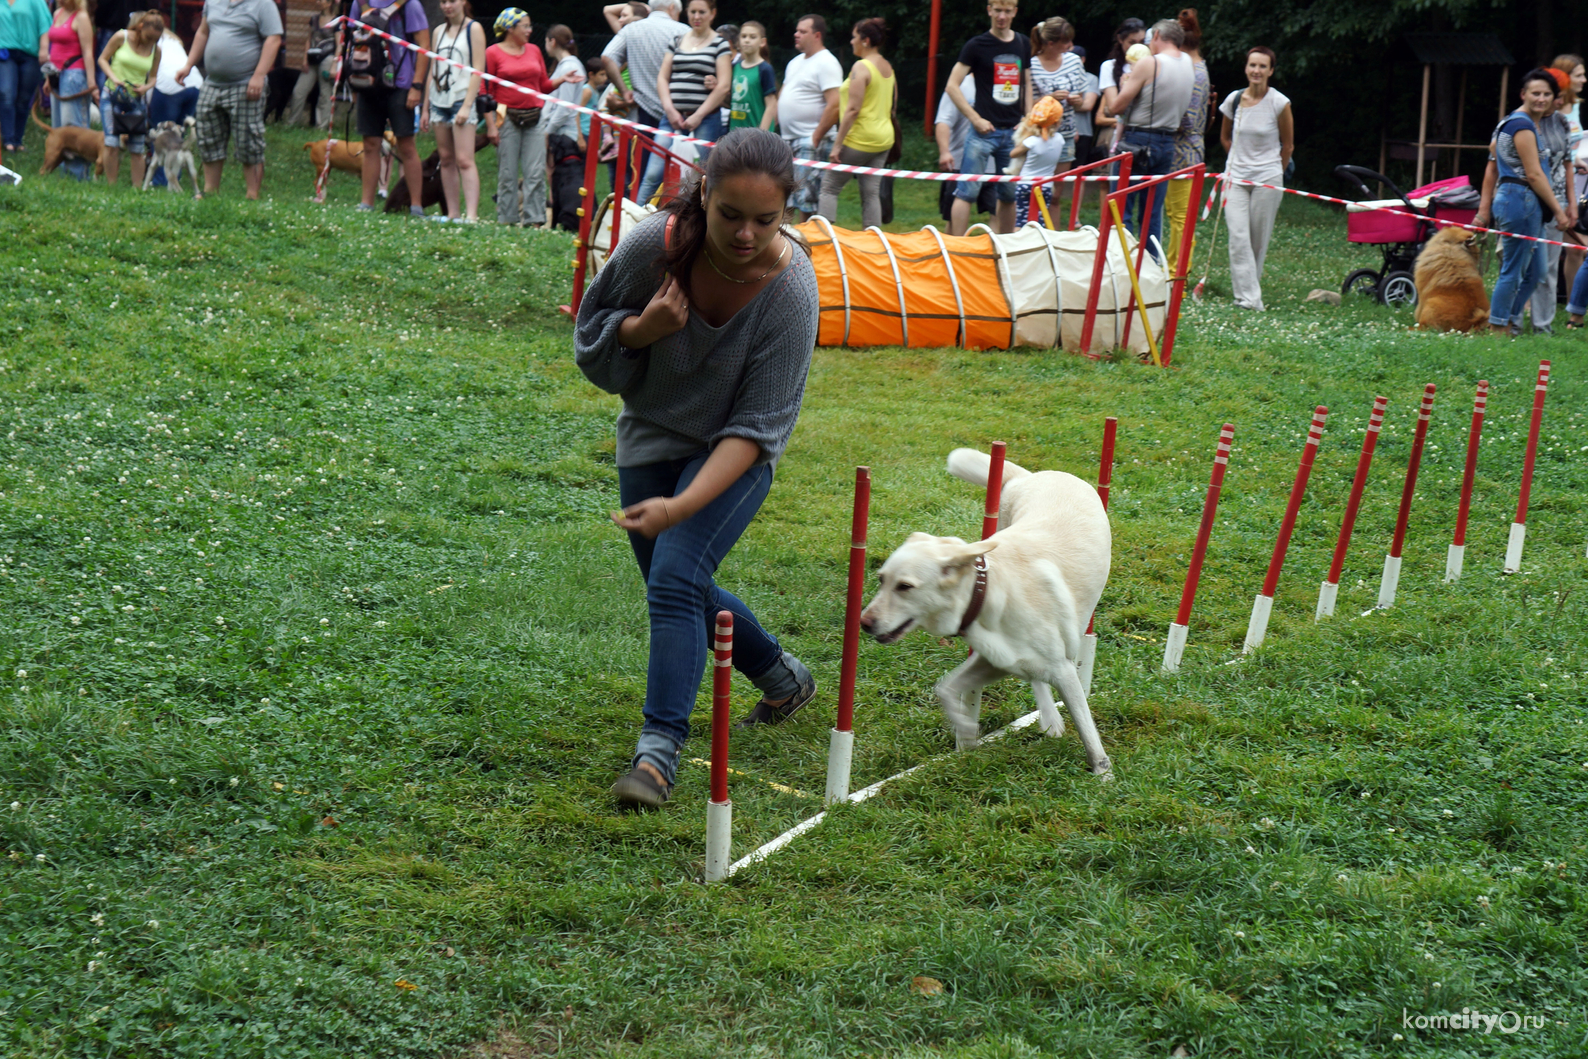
(1577, 304)
(1155, 158)
(19, 79)
(72, 112)
(656, 168)
(979, 146)
(684, 600)
(1517, 210)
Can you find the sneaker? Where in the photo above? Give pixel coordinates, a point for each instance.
(638, 789)
(764, 712)
(1547, 329)
(440, 218)
(363, 208)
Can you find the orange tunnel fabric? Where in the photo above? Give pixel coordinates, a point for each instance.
(914, 289)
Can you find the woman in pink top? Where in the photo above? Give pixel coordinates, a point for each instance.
(71, 38)
(521, 146)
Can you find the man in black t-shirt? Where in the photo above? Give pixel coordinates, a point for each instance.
(1000, 62)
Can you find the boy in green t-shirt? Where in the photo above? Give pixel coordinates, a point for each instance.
(754, 99)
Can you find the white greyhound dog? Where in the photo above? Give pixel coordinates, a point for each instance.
(1021, 598)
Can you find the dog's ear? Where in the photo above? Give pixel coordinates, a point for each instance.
(917, 537)
(961, 556)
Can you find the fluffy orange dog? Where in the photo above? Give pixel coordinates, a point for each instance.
(1450, 294)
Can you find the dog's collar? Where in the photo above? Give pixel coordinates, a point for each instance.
(978, 596)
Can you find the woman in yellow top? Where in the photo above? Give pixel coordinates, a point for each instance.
(131, 60)
(865, 134)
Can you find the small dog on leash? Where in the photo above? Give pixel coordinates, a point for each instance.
(1021, 598)
(347, 155)
(87, 144)
(170, 147)
(1450, 294)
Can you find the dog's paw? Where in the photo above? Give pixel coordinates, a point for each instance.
(1104, 772)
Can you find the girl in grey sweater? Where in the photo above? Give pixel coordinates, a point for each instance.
(703, 321)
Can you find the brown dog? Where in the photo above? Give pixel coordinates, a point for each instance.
(1450, 294)
(346, 155)
(85, 143)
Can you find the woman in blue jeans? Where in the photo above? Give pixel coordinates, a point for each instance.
(703, 321)
(1516, 193)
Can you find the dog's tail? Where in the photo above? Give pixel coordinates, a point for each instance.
(972, 466)
(40, 122)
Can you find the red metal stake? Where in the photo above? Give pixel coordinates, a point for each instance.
(995, 485)
(1331, 586)
(1458, 546)
(1257, 628)
(1392, 561)
(1513, 550)
(1174, 644)
(857, 587)
(721, 705)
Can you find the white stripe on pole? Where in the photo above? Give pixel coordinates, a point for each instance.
(840, 753)
(1453, 559)
(1174, 647)
(1328, 592)
(1513, 548)
(1257, 628)
(1389, 582)
(719, 839)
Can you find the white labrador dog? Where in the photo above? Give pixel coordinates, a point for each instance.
(1040, 578)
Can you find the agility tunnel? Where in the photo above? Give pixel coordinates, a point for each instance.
(981, 290)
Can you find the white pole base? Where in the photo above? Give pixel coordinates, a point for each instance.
(1257, 628)
(1390, 581)
(1513, 548)
(1328, 592)
(840, 751)
(1453, 559)
(1087, 659)
(1174, 647)
(719, 839)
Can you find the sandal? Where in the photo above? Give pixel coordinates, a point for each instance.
(1578, 326)
(640, 790)
(764, 712)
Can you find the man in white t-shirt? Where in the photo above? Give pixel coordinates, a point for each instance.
(810, 90)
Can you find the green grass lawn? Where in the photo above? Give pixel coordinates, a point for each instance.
(320, 656)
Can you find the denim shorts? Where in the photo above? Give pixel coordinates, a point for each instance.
(444, 115)
(978, 148)
(111, 107)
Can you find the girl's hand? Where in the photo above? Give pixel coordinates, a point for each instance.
(649, 517)
(666, 314)
(461, 118)
(424, 119)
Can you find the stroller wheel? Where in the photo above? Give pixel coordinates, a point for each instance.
(1363, 282)
(1399, 291)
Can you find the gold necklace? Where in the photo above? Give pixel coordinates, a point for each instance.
(757, 279)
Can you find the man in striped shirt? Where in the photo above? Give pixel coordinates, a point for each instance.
(643, 44)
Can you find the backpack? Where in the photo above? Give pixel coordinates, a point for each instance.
(369, 61)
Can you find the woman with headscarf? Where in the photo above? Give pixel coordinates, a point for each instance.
(1516, 194)
(521, 141)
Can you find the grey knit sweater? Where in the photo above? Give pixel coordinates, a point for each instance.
(686, 392)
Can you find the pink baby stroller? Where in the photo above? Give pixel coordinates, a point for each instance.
(1400, 237)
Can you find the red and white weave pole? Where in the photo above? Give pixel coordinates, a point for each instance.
(841, 747)
(1263, 605)
(1458, 546)
(1105, 475)
(1513, 547)
(1392, 561)
(995, 489)
(719, 810)
(1174, 646)
(1330, 589)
